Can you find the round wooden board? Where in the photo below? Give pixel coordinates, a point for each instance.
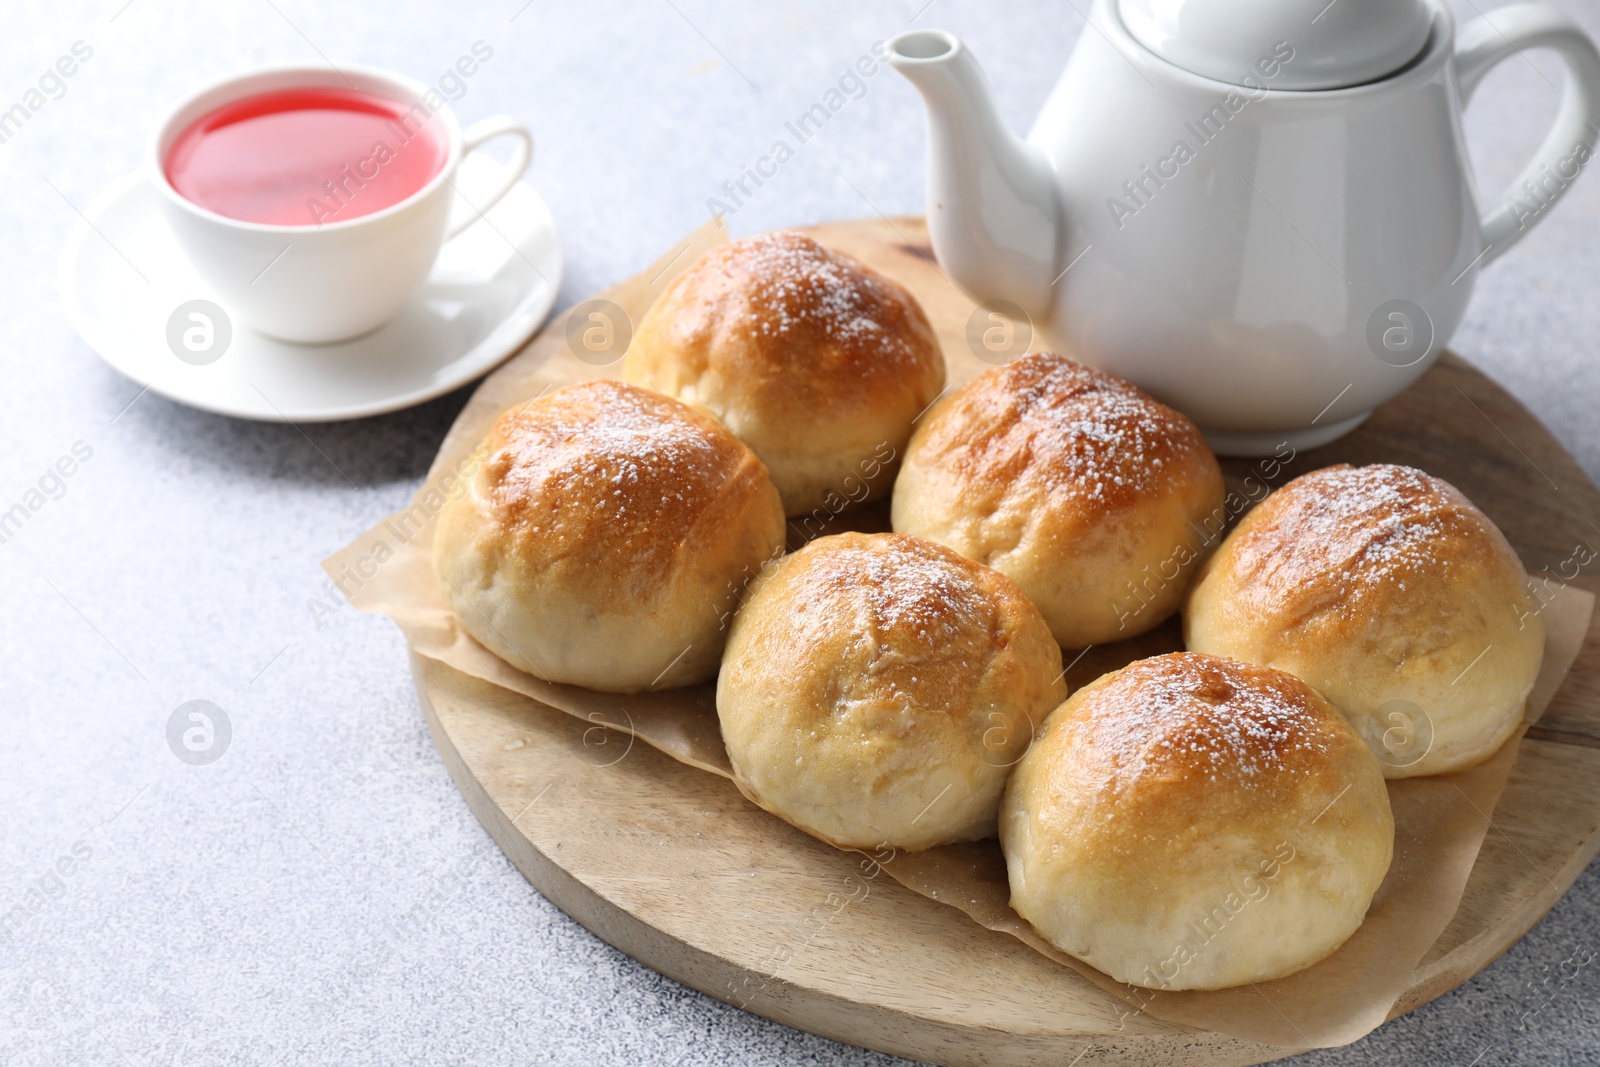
(672, 866)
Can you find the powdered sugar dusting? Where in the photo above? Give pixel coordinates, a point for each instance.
(1190, 716)
(796, 289)
(1095, 437)
(624, 456)
(900, 583)
(1359, 527)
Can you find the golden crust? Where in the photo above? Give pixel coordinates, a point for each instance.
(1161, 790)
(878, 688)
(1386, 589)
(1336, 542)
(1163, 737)
(599, 508)
(1092, 442)
(1081, 487)
(614, 482)
(815, 360)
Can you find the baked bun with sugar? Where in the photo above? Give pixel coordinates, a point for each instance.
(606, 537)
(1081, 488)
(817, 362)
(878, 689)
(1387, 590)
(1190, 822)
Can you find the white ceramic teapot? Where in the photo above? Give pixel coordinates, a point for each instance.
(1261, 211)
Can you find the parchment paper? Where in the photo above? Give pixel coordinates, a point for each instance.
(1440, 821)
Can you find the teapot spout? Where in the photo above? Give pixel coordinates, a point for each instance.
(994, 212)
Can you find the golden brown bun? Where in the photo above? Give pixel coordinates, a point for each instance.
(1078, 486)
(1190, 822)
(1390, 593)
(817, 362)
(606, 538)
(878, 689)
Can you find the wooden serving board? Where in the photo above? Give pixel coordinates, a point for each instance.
(674, 867)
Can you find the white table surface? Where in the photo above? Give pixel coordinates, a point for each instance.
(321, 893)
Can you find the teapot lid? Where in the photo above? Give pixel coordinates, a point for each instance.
(1305, 44)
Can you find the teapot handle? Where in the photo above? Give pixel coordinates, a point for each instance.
(1570, 143)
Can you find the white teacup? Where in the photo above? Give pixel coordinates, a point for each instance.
(320, 283)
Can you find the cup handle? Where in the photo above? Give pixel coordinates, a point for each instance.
(521, 155)
(1569, 144)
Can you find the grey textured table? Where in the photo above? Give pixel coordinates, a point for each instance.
(321, 893)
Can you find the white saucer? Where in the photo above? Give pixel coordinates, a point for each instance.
(489, 290)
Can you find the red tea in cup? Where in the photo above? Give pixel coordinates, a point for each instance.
(306, 157)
